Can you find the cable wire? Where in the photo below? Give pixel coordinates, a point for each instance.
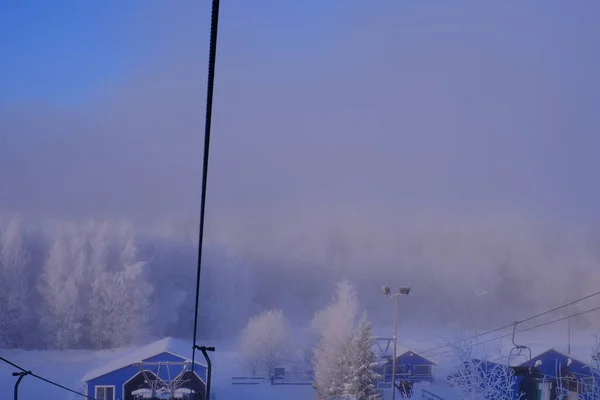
(520, 321)
(214, 24)
(524, 330)
(27, 372)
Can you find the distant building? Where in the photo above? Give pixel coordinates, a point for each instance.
(159, 370)
(410, 366)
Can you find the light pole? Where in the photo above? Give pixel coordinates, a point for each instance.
(402, 291)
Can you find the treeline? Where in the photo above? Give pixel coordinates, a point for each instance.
(101, 284)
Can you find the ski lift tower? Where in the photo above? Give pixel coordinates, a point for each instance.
(402, 291)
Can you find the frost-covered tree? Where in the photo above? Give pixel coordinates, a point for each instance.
(335, 326)
(93, 288)
(120, 300)
(593, 385)
(361, 378)
(565, 380)
(15, 311)
(476, 377)
(265, 341)
(65, 272)
(227, 292)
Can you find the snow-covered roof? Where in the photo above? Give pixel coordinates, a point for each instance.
(177, 347)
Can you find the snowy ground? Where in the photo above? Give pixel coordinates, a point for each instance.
(67, 367)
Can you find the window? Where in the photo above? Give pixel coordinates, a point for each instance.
(569, 383)
(105, 393)
(589, 384)
(422, 370)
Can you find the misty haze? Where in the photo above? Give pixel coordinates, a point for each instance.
(451, 148)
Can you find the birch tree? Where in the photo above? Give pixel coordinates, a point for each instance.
(265, 341)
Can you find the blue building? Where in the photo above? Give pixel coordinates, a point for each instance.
(410, 366)
(553, 369)
(159, 370)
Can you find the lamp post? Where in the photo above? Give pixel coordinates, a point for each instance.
(402, 291)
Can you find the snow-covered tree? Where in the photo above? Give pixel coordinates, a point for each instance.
(593, 385)
(335, 326)
(361, 378)
(120, 300)
(566, 381)
(265, 341)
(62, 313)
(15, 311)
(226, 295)
(93, 287)
(476, 377)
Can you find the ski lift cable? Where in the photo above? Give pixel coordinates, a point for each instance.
(25, 372)
(521, 321)
(214, 24)
(524, 330)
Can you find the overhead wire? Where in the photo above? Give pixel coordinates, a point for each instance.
(523, 330)
(214, 24)
(476, 336)
(28, 372)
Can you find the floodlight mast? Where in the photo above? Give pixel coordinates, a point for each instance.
(402, 291)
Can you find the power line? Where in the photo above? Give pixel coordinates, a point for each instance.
(214, 24)
(526, 329)
(519, 322)
(27, 372)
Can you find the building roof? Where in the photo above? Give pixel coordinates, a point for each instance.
(176, 347)
(401, 352)
(556, 352)
(576, 366)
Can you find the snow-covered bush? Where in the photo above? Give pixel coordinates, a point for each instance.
(476, 377)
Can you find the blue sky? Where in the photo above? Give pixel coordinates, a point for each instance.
(458, 106)
(67, 51)
(61, 52)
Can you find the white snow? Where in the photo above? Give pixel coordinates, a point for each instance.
(170, 345)
(67, 367)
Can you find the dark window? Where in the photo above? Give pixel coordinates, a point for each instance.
(422, 370)
(570, 383)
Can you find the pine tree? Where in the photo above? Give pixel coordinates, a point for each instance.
(339, 376)
(361, 379)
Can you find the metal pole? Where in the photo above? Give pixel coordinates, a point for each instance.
(21, 375)
(395, 346)
(569, 344)
(204, 351)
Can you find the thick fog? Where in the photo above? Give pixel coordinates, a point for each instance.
(449, 147)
